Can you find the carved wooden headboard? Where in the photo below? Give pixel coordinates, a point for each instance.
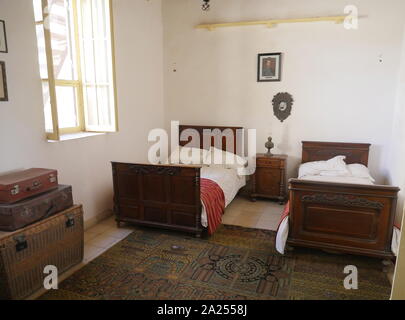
(232, 134)
(318, 151)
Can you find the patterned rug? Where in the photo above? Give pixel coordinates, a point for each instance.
(235, 263)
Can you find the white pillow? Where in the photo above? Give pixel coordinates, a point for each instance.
(224, 159)
(316, 167)
(360, 171)
(186, 155)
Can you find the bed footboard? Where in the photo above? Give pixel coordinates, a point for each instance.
(158, 196)
(356, 219)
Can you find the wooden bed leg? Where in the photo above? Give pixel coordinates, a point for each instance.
(386, 263)
(118, 224)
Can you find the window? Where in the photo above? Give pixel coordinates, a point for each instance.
(76, 58)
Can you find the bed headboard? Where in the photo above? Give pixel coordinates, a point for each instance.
(233, 134)
(318, 151)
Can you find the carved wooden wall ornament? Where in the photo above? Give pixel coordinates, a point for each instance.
(282, 105)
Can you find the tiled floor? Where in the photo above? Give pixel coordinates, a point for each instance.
(241, 212)
(261, 214)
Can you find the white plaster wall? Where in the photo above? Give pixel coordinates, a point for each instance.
(396, 161)
(83, 163)
(342, 91)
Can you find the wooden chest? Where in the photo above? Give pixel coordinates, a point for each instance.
(269, 180)
(56, 241)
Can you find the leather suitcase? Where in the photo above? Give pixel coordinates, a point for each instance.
(23, 213)
(57, 241)
(24, 184)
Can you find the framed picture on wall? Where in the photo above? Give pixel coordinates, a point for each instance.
(3, 82)
(269, 67)
(3, 37)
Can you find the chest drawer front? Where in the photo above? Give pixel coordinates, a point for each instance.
(268, 181)
(269, 163)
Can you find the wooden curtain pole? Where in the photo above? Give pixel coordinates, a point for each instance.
(270, 23)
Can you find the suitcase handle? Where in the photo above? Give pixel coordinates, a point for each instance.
(35, 186)
(48, 212)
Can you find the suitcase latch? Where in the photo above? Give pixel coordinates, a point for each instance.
(22, 243)
(70, 222)
(15, 190)
(52, 178)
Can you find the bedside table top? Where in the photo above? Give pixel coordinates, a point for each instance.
(273, 156)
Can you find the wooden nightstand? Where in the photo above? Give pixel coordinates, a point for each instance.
(269, 181)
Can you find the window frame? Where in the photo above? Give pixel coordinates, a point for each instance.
(76, 84)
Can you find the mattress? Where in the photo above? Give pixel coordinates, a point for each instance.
(228, 180)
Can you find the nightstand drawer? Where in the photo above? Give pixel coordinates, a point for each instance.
(270, 163)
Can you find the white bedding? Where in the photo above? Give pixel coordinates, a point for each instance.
(228, 180)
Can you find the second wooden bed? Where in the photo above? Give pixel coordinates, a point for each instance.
(350, 218)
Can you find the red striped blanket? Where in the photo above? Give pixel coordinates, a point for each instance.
(285, 214)
(213, 199)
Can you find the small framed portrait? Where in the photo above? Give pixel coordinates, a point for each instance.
(3, 82)
(269, 68)
(3, 37)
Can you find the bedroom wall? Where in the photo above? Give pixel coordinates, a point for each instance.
(83, 163)
(343, 81)
(396, 161)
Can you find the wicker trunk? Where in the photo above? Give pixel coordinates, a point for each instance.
(24, 254)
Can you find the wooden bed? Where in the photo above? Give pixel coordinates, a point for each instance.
(349, 218)
(166, 196)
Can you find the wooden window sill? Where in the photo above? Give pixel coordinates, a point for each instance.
(78, 135)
